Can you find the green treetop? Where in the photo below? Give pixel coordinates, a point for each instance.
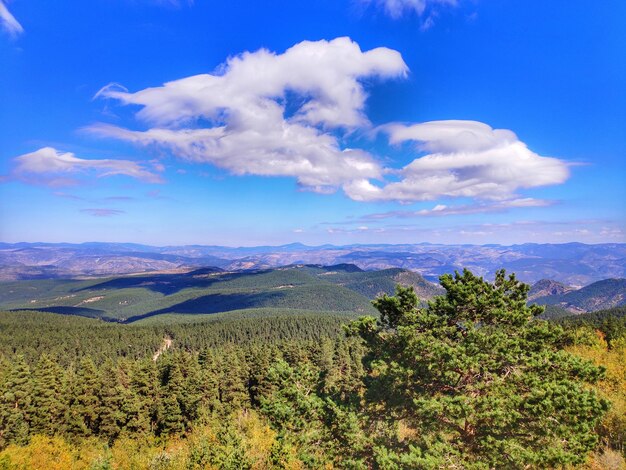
(474, 381)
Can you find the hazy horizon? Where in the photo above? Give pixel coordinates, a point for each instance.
(95, 242)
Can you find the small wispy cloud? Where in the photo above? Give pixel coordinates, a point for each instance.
(119, 198)
(399, 8)
(173, 3)
(103, 212)
(362, 229)
(63, 195)
(443, 210)
(50, 167)
(521, 231)
(8, 21)
(108, 199)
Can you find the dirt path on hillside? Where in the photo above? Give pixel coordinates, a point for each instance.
(167, 343)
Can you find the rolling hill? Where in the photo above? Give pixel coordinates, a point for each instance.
(338, 288)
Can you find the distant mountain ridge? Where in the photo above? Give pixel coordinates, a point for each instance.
(601, 295)
(575, 264)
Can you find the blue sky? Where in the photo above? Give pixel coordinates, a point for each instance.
(246, 123)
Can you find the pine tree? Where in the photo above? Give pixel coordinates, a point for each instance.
(111, 416)
(190, 395)
(343, 381)
(475, 380)
(230, 453)
(15, 401)
(234, 381)
(209, 385)
(49, 404)
(293, 404)
(84, 403)
(143, 398)
(172, 420)
(260, 360)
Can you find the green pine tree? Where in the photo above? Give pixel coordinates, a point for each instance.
(475, 381)
(111, 416)
(230, 453)
(84, 403)
(49, 404)
(209, 385)
(172, 418)
(144, 399)
(234, 381)
(15, 404)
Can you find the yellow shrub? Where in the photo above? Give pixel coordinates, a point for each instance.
(613, 388)
(43, 453)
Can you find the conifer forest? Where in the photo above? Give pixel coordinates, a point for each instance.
(472, 379)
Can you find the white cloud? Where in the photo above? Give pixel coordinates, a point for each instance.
(467, 159)
(522, 231)
(444, 210)
(315, 159)
(50, 166)
(398, 8)
(267, 114)
(8, 21)
(250, 89)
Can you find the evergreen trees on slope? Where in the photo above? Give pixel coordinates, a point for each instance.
(471, 381)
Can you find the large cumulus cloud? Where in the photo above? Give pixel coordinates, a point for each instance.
(286, 114)
(268, 114)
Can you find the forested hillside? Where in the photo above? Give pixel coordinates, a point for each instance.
(470, 381)
(340, 288)
(70, 338)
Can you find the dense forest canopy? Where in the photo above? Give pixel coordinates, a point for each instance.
(472, 380)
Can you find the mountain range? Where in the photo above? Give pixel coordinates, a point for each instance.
(573, 264)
